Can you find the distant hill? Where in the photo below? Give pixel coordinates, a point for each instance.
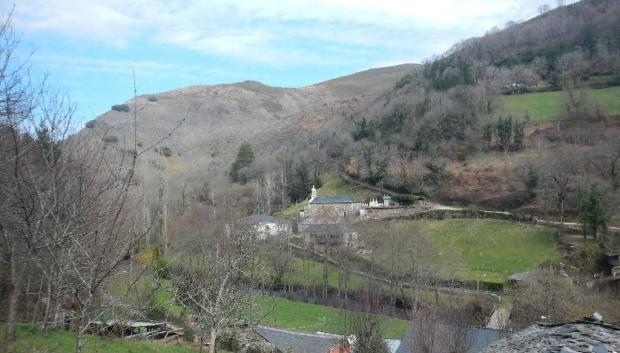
(369, 81)
(218, 118)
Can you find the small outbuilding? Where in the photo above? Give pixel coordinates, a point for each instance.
(268, 226)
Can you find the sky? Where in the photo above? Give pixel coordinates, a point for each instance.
(88, 48)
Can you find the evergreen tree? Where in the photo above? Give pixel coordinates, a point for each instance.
(592, 212)
(245, 157)
(300, 183)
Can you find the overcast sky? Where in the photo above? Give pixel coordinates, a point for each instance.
(89, 46)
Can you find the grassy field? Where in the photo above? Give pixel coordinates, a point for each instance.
(332, 186)
(464, 249)
(304, 317)
(547, 106)
(489, 250)
(31, 340)
(310, 272)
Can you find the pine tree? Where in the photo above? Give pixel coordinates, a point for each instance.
(245, 157)
(592, 212)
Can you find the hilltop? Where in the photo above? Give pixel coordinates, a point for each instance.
(210, 122)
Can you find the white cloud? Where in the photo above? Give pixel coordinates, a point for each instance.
(269, 31)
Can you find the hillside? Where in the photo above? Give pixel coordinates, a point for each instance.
(217, 119)
(493, 121)
(370, 81)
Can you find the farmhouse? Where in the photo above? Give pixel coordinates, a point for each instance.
(268, 226)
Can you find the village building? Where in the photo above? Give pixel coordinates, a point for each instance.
(325, 222)
(287, 341)
(329, 209)
(266, 226)
(329, 235)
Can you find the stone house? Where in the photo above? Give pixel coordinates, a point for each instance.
(329, 235)
(268, 226)
(322, 210)
(324, 223)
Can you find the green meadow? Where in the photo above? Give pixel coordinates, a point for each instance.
(547, 106)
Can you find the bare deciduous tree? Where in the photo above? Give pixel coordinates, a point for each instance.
(216, 284)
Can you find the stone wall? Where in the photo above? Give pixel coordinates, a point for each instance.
(389, 212)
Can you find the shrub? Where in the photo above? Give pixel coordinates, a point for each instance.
(403, 81)
(161, 267)
(228, 341)
(188, 333)
(90, 124)
(404, 199)
(165, 151)
(121, 108)
(152, 99)
(110, 139)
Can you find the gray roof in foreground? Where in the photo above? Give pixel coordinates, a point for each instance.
(324, 200)
(287, 341)
(578, 336)
(479, 338)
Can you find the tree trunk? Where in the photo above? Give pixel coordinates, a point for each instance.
(11, 317)
(212, 338)
(79, 341)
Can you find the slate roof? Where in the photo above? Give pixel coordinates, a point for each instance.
(519, 277)
(572, 337)
(328, 200)
(287, 341)
(480, 338)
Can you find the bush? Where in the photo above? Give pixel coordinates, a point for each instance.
(405, 80)
(227, 341)
(404, 199)
(152, 99)
(121, 108)
(161, 267)
(188, 333)
(165, 151)
(110, 139)
(90, 124)
(492, 286)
